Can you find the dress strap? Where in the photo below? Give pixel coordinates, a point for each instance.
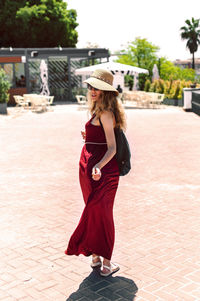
(101, 123)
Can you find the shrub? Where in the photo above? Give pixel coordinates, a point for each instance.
(173, 89)
(177, 90)
(160, 86)
(147, 85)
(129, 81)
(153, 86)
(141, 80)
(4, 87)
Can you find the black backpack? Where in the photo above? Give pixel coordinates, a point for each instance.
(123, 153)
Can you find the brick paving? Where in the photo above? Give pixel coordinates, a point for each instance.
(157, 209)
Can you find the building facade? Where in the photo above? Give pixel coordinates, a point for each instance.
(188, 64)
(23, 68)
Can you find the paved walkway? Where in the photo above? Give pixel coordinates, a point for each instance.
(157, 209)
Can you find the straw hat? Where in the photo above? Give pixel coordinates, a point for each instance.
(102, 79)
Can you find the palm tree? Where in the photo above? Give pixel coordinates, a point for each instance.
(191, 33)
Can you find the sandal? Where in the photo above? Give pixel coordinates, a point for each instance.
(113, 268)
(95, 264)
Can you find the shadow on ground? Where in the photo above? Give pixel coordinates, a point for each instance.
(95, 287)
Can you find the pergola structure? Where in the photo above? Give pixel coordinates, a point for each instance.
(22, 66)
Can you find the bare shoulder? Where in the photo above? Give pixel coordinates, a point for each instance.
(107, 116)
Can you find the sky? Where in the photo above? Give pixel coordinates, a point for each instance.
(112, 24)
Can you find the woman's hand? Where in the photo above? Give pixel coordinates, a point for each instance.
(83, 135)
(96, 173)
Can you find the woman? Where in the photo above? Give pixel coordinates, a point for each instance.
(99, 174)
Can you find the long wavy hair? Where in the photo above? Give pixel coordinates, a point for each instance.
(109, 102)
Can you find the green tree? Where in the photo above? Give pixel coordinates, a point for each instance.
(37, 23)
(191, 33)
(140, 53)
(9, 26)
(168, 71)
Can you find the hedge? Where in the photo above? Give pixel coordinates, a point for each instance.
(172, 89)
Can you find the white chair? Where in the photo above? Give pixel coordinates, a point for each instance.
(141, 99)
(156, 99)
(20, 101)
(28, 98)
(38, 103)
(81, 99)
(160, 98)
(146, 100)
(49, 100)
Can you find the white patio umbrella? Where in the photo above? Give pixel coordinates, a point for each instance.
(44, 78)
(112, 66)
(118, 70)
(155, 72)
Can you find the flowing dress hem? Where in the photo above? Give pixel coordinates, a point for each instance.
(87, 254)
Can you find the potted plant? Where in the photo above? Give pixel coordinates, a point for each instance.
(4, 87)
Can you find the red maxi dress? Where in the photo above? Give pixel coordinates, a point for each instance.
(95, 232)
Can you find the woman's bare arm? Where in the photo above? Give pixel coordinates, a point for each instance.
(107, 122)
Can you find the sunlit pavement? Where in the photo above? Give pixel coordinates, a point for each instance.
(157, 208)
